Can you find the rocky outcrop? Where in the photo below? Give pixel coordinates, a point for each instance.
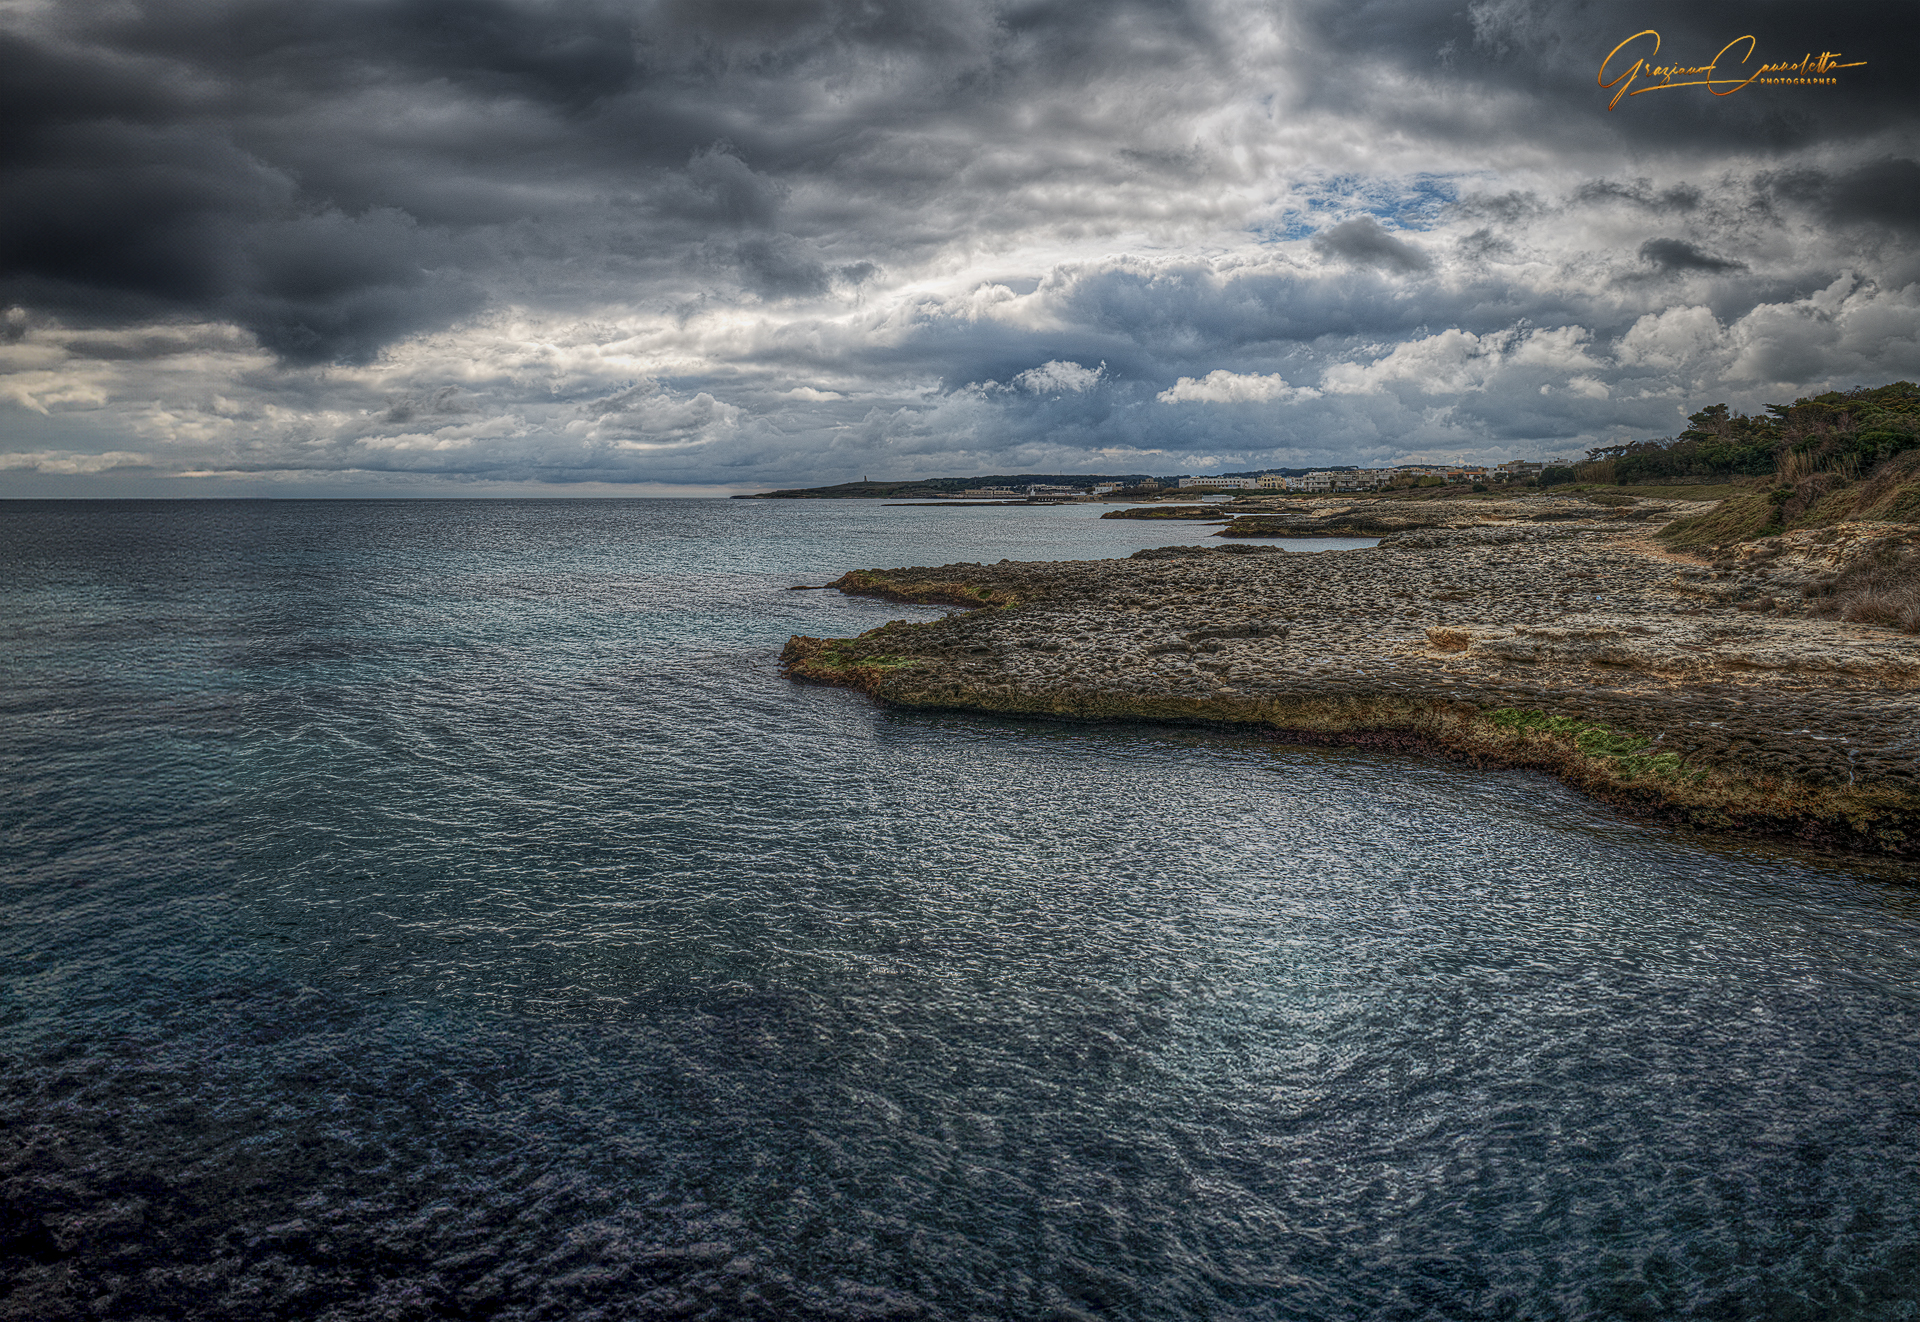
(1653, 682)
(1207, 513)
(1386, 517)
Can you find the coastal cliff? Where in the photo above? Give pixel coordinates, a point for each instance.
(1710, 694)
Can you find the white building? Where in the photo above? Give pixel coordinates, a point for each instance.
(1359, 479)
(1222, 483)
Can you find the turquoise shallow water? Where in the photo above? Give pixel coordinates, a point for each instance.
(444, 910)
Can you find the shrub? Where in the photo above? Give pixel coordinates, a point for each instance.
(1738, 518)
(1898, 606)
(1880, 587)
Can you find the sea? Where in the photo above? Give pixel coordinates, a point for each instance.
(444, 909)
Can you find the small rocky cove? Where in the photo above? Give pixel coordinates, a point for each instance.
(1546, 633)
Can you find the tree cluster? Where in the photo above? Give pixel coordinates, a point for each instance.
(1835, 430)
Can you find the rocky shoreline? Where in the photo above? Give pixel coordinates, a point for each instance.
(1554, 635)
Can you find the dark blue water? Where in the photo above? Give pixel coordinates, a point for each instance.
(444, 910)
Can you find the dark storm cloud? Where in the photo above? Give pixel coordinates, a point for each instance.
(181, 158)
(124, 196)
(1679, 255)
(1364, 241)
(1680, 197)
(1509, 208)
(567, 54)
(1534, 68)
(1883, 192)
(1179, 315)
(207, 159)
(685, 239)
(442, 403)
(779, 267)
(308, 170)
(718, 187)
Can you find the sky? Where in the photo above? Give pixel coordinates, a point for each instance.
(659, 247)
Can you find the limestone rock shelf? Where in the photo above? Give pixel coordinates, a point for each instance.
(1663, 685)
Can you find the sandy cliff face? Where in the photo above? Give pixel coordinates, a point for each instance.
(1706, 693)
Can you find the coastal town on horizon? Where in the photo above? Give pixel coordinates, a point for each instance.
(1056, 487)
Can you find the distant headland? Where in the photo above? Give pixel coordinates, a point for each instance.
(1049, 487)
(1000, 486)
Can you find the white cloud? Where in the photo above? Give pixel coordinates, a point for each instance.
(647, 413)
(1671, 339)
(1849, 329)
(1057, 377)
(1456, 362)
(1450, 362)
(67, 462)
(1223, 387)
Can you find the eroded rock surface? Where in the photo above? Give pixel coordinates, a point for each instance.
(1571, 645)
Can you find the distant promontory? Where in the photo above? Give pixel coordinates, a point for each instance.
(1006, 485)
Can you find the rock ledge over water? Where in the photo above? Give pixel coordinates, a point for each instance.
(1700, 693)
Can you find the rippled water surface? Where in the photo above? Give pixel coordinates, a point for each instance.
(444, 910)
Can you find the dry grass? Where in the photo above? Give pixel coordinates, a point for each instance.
(1891, 491)
(1801, 497)
(1738, 518)
(1794, 469)
(1897, 606)
(1685, 491)
(1881, 587)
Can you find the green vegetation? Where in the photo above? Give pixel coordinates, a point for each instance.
(845, 655)
(1832, 458)
(1834, 431)
(924, 592)
(1716, 443)
(1628, 752)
